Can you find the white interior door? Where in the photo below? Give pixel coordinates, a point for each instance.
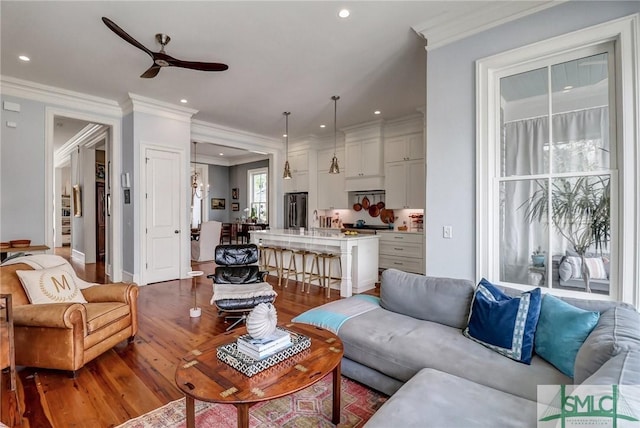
(162, 215)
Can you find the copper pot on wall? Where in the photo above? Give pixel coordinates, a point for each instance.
(357, 206)
(366, 203)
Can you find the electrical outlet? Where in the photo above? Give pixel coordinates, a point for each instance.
(447, 232)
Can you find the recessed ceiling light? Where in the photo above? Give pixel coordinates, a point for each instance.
(344, 13)
(284, 135)
(24, 58)
(376, 112)
(323, 126)
(221, 154)
(183, 101)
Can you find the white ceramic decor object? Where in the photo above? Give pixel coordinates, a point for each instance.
(262, 320)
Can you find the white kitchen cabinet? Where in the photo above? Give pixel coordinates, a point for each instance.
(404, 148)
(331, 189)
(299, 165)
(364, 158)
(402, 250)
(405, 184)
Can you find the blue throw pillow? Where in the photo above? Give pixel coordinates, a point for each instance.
(504, 324)
(562, 329)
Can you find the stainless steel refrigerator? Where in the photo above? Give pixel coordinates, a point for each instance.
(295, 210)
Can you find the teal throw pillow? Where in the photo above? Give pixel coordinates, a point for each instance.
(562, 329)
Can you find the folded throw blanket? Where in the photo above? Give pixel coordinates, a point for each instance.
(241, 291)
(333, 314)
(38, 261)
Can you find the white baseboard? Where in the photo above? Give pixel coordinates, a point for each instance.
(127, 276)
(77, 256)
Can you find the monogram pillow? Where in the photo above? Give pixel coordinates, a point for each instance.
(54, 285)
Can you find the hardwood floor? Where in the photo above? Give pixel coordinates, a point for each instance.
(130, 380)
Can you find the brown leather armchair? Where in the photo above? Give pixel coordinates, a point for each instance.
(66, 336)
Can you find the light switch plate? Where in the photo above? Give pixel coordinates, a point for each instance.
(447, 232)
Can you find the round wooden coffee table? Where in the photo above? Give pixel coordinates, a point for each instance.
(201, 376)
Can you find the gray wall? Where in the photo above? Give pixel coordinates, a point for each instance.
(451, 124)
(238, 178)
(219, 188)
(22, 172)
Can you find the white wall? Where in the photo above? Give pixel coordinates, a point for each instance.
(451, 124)
(155, 128)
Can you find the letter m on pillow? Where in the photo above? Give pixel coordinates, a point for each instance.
(62, 284)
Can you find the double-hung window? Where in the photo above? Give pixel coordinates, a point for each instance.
(258, 180)
(554, 126)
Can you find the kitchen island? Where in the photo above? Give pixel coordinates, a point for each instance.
(358, 253)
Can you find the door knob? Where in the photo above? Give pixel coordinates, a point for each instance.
(176, 231)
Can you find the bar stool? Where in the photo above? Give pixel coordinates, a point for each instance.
(323, 275)
(314, 275)
(281, 274)
(303, 256)
(267, 254)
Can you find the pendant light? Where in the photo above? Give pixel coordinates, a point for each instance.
(287, 169)
(334, 168)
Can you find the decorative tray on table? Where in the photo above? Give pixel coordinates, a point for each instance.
(248, 366)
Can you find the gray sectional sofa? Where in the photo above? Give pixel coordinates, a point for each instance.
(412, 348)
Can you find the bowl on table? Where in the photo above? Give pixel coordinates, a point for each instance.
(20, 243)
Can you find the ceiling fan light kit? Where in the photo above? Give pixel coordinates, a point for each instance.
(161, 59)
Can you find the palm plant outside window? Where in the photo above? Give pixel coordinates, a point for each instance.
(557, 166)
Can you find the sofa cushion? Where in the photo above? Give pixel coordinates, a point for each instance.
(617, 331)
(623, 369)
(504, 324)
(562, 329)
(53, 285)
(400, 346)
(436, 399)
(441, 300)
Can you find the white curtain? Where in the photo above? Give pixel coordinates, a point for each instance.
(581, 143)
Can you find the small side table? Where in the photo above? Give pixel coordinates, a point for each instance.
(7, 352)
(195, 312)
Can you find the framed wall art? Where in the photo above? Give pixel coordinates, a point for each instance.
(217, 203)
(77, 201)
(234, 193)
(235, 206)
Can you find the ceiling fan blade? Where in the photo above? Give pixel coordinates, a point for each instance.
(123, 34)
(151, 72)
(194, 65)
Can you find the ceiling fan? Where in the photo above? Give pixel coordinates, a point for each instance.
(161, 59)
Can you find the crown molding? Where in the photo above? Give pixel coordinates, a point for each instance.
(19, 88)
(217, 134)
(446, 28)
(139, 104)
(87, 137)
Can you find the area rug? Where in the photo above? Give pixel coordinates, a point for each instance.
(310, 407)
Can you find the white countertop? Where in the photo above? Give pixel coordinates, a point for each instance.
(311, 235)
